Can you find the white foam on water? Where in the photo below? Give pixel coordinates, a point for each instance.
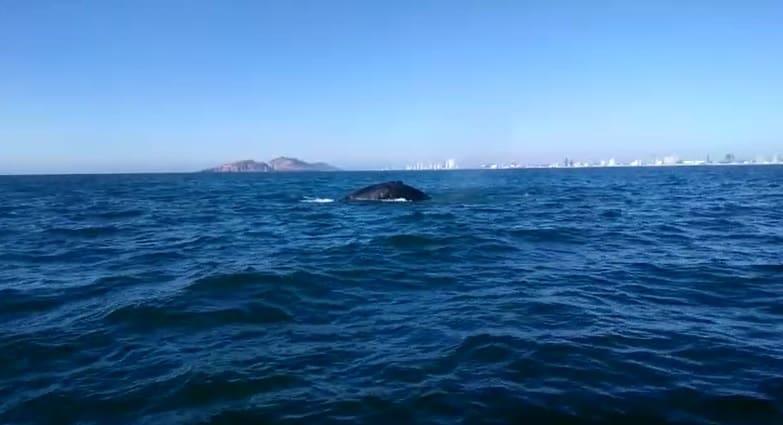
(395, 200)
(317, 200)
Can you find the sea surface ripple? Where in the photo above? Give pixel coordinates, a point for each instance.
(536, 296)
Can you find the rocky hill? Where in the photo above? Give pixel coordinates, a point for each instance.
(293, 164)
(282, 164)
(246, 166)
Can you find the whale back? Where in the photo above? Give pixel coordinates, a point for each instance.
(390, 190)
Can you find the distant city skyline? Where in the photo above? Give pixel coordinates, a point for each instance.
(611, 161)
(183, 86)
(668, 160)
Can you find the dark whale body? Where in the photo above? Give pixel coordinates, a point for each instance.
(388, 191)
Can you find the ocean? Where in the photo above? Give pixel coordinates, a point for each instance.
(553, 296)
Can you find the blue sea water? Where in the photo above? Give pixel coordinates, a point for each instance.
(527, 296)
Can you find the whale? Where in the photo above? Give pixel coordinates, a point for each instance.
(388, 191)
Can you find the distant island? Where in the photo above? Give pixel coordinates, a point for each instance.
(281, 164)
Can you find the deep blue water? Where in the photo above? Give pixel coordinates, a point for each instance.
(533, 296)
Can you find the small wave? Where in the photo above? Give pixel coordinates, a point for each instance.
(549, 235)
(105, 285)
(120, 214)
(309, 200)
(70, 256)
(287, 288)
(155, 317)
(395, 200)
(7, 211)
(611, 213)
(199, 388)
(84, 232)
(159, 257)
(14, 301)
(413, 241)
(319, 216)
(418, 215)
(487, 348)
(222, 282)
(494, 247)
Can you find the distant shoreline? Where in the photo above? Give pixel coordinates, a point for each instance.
(582, 167)
(196, 173)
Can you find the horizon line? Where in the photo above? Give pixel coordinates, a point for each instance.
(387, 170)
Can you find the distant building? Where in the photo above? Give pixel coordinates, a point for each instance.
(449, 164)
(692, 162)
(670, 160)
(729, 159)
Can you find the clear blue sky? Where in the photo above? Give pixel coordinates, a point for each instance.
(179, 85)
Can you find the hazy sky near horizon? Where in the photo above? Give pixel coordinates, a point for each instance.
(179, 85)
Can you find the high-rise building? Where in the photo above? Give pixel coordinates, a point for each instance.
(449, 164)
